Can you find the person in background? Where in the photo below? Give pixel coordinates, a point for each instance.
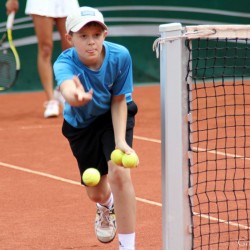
(46, 13)
(95, 78)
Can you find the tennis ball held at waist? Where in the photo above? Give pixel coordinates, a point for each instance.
(91, 177)
(126, 160)
(130, 160)
(116, 156)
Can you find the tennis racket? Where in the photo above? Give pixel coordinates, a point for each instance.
(9, 59)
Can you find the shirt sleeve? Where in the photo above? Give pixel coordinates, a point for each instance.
(63, 69)
(124, 81)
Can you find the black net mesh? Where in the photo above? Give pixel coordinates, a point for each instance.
(218, 77)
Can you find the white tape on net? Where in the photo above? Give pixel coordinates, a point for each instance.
(190, 35)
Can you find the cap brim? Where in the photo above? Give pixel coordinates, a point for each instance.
(77, 27)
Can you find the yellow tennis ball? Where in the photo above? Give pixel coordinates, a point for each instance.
(91, 177)
(116, 156)
(130, 160)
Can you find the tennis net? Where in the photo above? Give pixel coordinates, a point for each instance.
(213, 85)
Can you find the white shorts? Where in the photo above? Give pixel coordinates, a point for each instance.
(51, 8)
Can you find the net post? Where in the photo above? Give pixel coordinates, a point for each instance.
(176, 219)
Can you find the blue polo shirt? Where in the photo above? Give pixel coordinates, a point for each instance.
(113, 78)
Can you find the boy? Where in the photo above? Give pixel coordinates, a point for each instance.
(95, 78)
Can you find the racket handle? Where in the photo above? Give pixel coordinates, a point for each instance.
(10, 20)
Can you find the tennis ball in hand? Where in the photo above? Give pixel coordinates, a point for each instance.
(91, 177)
(130, 160)
(116, 156)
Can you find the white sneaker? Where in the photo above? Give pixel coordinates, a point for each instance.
(58, 96)
(105, 224)
(51, 109)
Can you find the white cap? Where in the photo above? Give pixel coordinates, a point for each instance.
(81, 16)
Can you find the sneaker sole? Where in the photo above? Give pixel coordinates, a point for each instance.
(106, 242)
(51, 116)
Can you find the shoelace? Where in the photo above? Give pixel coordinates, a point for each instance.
(104, 218)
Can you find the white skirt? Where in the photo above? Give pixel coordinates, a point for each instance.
(51, 8)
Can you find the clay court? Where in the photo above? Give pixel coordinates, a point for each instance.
(43, 205)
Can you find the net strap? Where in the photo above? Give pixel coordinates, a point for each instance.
(189, 34)
(204, 31)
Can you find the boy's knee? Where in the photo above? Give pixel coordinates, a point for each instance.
(96, 197)
(119, 176)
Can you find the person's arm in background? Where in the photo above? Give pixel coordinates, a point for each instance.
(12, 5)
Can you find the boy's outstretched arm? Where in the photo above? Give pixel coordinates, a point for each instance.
(74, 93)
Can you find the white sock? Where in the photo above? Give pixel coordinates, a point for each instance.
(109, 202)
(126, 241)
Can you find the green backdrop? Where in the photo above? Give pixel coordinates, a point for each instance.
(131, 23)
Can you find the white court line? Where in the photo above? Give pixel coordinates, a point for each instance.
(137, 198)
(210, 217)
(39, 173)
(146, 139)
(220, 153)
(54, 177)
(212, 152)
(40, 126)
(32, 127)
(222, 221)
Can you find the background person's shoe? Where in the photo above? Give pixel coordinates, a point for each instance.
(51, 109)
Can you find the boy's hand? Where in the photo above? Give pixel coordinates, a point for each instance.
(125, 148)
(74, 93)
(125, 156)
(82, 97)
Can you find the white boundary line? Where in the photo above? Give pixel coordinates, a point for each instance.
(146, 139)
(137, 198)
(210, 217)
(220, 153)
(39, 173)
(222, 221)
(212, 152)
(54, 177)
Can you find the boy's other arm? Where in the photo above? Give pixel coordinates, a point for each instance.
(119, 118)
(74, 93)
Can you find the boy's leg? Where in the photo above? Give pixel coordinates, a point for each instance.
(124, 197)
(105, 222)
(125, 204)
(122, 187)
(118, 177)
(85, 145)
